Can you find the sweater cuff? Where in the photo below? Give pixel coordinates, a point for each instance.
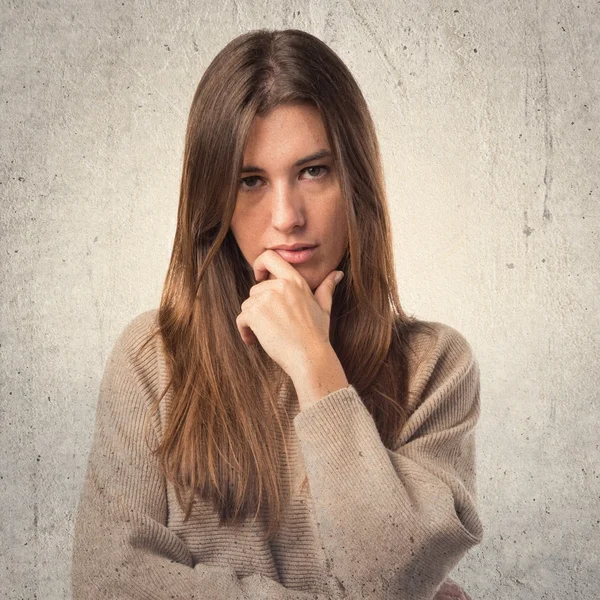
(338, 429)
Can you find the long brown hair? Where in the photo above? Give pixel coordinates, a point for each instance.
(220, 439)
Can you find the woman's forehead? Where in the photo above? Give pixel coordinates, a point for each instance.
(290, 132)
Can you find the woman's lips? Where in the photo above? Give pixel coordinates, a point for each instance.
(296, 256)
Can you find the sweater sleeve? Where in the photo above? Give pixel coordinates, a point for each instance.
(122, 548)
(394, 523)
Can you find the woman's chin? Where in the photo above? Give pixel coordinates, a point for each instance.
(312, 281)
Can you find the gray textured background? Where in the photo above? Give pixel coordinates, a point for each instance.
(487, 114)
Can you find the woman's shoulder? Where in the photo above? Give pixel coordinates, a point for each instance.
(136, 347)
(438, 355)
(138, 327)
(136, 333)
(437, 339)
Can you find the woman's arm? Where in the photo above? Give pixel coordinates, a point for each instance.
(394, 523)
(122, 547)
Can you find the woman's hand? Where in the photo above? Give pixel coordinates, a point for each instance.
(450, 590)
(290, 322)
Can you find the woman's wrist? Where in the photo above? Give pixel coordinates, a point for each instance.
(318, 375)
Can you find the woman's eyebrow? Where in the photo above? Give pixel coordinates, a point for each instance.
(320, 154)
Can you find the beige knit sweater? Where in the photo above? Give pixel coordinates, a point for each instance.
(374, 523)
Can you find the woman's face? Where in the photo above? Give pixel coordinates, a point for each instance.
(282, 202)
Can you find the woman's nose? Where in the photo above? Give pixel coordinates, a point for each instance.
(287, 207)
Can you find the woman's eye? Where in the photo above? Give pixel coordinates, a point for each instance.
(247, 182)
(316, 167)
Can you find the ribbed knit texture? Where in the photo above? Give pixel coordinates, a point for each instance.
(374, 523)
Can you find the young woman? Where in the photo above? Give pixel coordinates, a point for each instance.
(270, 431)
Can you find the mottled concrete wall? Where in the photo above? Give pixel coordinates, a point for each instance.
(488, 121)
